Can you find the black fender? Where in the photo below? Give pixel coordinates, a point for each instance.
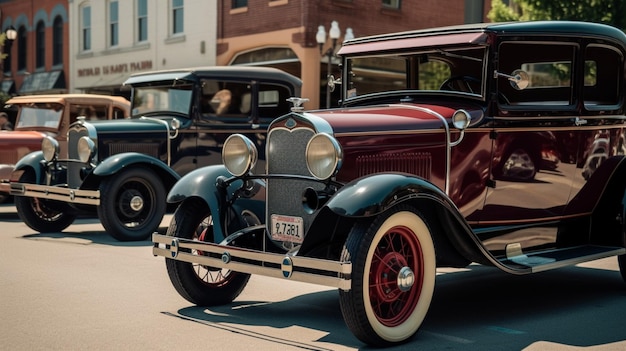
(210, 184)
(115, 163)
(34, 161)
(371, 195)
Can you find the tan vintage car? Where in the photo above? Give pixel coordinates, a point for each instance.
(50, 115)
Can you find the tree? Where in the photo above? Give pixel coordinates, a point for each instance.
(612, 12)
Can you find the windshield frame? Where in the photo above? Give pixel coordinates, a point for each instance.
(414, 61)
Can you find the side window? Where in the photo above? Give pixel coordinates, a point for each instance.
(603, 69)
(377, 74)
(549, 67)
(273, 101)
(90, 112)
(118, 113)
(225, 100)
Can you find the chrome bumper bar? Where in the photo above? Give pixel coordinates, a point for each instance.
(304, 269)
(49, 192)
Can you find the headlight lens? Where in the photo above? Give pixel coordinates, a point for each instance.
(86, 149)
(239, 155)
(461, 119)
(323, 156)
(50, 148)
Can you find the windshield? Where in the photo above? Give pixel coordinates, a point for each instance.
(161, 99)
(40, 115)
(459, 70)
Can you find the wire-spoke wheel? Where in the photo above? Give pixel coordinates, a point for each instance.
(200, 284)
(393, 277)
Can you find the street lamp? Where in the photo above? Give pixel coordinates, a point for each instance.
(10, 36)
(334, 33)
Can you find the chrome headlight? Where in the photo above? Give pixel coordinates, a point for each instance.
(461, 119)
(86, 149)
(239, 155)
(50, 148)
(323, 156)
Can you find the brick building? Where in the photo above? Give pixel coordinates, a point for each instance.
(37, 60)
(282, 33)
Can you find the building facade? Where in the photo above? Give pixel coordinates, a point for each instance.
(36, 61)
(112, 39)
(94, 45)
(282, 33)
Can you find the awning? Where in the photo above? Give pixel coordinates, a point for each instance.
(8, 86)
(43, 82)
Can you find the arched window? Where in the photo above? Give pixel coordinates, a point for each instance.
(57, 41)
(40, 58)
(21, 48)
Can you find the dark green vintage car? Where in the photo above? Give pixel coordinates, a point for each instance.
(123, 169)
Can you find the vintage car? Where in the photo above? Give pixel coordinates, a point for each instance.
(404, 178)
(38, 116)
(123, 169)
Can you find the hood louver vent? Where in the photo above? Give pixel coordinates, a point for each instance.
(419, 164)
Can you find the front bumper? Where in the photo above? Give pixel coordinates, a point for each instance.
(57, 193)
(304, 269)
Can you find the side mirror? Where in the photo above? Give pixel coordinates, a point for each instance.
(519, 79)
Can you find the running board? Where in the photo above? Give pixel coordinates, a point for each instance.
(557, 258)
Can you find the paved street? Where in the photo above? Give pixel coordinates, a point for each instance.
(82, 290)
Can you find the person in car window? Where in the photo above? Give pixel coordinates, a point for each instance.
(4, 122)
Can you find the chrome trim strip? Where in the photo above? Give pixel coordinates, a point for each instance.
(75, 196)
(169, 247)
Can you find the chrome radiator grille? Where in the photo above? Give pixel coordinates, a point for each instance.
(286, 155)
(74, 168)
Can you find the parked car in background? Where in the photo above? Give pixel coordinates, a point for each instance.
(40, 116)
(122, 169)
(406, 176)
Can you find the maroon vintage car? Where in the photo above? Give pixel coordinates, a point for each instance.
(39, 116)
(497, 144)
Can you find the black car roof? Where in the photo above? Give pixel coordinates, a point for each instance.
(194, 74)
(574, 28)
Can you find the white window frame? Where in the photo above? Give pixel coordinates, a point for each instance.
(142, 18)
(114, 24)
(85, 28)
(176, 10)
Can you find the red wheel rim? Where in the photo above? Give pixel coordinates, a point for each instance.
(398, 248)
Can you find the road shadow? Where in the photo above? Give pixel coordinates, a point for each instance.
(478, 309)
(89, 237)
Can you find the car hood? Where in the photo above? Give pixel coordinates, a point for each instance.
(131, 125)
(14, 138)
(393, 117)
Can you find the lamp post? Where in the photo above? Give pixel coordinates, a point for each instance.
(334, 33)
(10, 36)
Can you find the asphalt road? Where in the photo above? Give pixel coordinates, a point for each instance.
(82, 290)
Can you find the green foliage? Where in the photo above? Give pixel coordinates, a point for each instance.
(612, 12)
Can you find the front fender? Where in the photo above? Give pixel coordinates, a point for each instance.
(33, 161)
(373, 194)
(115, 163)
(203, 183)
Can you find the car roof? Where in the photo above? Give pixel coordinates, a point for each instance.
(61, 98)
(223, 72)
(471, 33)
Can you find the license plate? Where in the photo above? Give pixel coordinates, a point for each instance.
(287, 228)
